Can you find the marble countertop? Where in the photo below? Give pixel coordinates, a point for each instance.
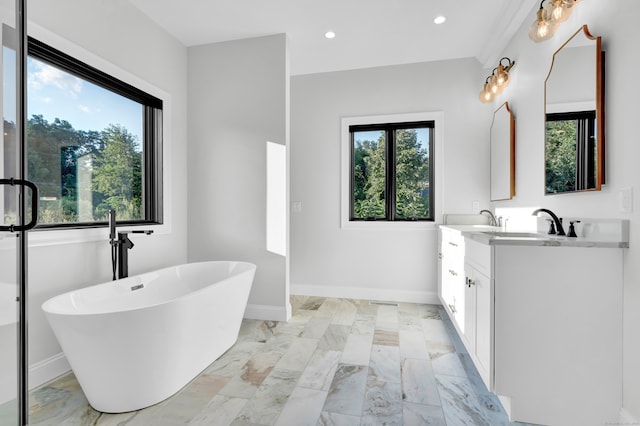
(492, 235)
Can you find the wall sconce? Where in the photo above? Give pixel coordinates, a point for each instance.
(497, 81)
(549, 17)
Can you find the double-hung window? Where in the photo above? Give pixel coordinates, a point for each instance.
(94, 143)
(392, 171)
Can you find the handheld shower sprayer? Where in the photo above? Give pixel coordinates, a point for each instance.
(112, 225)
(112, 241)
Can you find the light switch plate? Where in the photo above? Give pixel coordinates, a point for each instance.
(626, 200)
(475, 206)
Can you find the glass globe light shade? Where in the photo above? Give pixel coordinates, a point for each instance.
(541, 29)
(494, 84)
(557, 11)
(485, 94)
(502, 77)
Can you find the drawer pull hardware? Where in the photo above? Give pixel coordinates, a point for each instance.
(470, 282)
(453, 308)
(453, 244)
(452, 272)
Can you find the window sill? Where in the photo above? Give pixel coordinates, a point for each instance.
(45, 238)
(388, 225)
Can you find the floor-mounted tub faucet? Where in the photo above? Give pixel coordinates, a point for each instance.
(558, 222)
(120, 247)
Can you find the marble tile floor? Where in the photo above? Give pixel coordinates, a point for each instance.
(336, 362)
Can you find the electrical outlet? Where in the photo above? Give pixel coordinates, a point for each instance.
(475, 206)
(296, 207)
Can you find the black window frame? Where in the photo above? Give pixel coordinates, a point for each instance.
(152, 132)
(390, 170)
(586, 164)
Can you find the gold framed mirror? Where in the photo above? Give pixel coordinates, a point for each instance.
(574, 116)
(503, 141)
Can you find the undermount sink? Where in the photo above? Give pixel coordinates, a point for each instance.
(513, 234)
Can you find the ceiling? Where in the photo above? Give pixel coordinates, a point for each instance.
(369, 33)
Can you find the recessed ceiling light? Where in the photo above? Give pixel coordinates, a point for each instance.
(329, 34)
(439, 19)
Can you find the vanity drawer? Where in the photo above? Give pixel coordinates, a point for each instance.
(453, 272)
(452, 245)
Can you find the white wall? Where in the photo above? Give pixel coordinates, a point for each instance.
(616, 22)
(118, 39)
(237, 103)
(395, 263)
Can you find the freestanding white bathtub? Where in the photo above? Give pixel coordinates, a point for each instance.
(134, 342)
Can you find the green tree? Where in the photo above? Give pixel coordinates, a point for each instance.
(369, 179)
(412, 176)
(111, 160)
(44, 143)
(117, 174)
(560, 156)
(370, 176)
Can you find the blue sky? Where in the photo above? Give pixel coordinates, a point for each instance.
(53, 94)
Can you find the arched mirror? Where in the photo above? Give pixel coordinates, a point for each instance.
(574, 116)
(503, 140)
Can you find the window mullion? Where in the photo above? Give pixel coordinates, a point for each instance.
(352, 178)
(391, 175)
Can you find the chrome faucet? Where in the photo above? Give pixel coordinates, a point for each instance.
(558, 222)
(492, 218)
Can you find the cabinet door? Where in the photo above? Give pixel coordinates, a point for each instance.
(470, 308)
(478, 314)
(484, 314)
(458, 296)
(478, 267)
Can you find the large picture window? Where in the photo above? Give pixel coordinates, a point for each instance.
(94, 143)
(392, 171)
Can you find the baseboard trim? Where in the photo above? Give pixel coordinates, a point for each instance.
(627, 419)
(388, 295)
(268, 312)
(47, 370)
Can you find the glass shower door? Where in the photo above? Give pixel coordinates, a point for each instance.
(15, 218)
(9, 289)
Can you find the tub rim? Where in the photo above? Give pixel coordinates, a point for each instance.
(48, 311)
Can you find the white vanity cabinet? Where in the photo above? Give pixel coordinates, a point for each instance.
(558, 333)
(466, 292)
(542, 322)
